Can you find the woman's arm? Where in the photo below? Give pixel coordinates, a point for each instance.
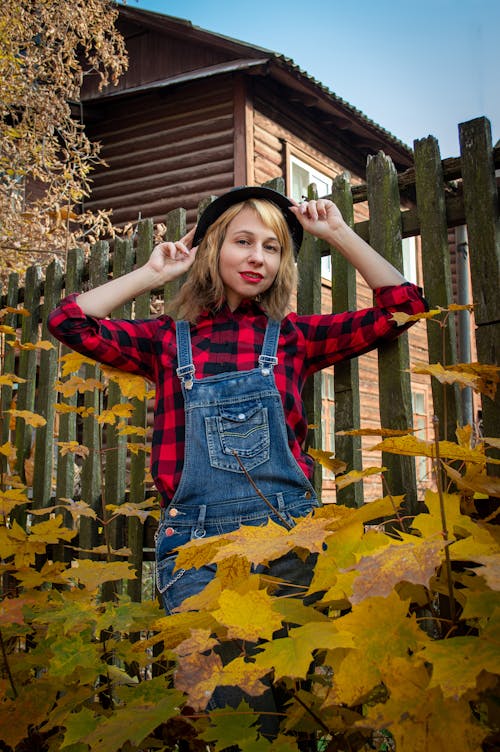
(323, 219)
(167, 262)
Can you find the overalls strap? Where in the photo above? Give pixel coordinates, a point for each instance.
(267, 358)
(185, 366)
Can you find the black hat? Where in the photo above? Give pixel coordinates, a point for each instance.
(238, 195)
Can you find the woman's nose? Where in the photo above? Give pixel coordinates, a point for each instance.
(257, 254)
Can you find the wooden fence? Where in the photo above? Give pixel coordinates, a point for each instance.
(442, 194)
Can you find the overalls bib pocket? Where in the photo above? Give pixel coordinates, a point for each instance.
(241, 429)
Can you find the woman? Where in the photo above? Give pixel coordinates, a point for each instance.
(230, 361)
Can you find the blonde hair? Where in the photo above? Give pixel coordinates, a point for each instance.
(204, 287)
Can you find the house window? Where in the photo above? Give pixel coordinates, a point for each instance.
(410, 259)
(301, 176)
(328, 417)
(420, 424)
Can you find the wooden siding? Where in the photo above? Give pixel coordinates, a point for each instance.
(154, 55)
(165, 151)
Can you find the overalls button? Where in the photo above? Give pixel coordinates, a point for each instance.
(265, 371)
(173, 512)
(307, 495)
(241, 416)
(169, 531)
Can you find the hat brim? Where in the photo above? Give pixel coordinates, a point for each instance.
(239, 195)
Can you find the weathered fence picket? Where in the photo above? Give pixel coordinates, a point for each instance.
(437, 274)
(393, 357)
(91, 474)
(125, 473)
(346, 381)
(483, 223)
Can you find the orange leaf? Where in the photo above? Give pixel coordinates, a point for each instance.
(32, 419)
(327, 460)
(342, 481)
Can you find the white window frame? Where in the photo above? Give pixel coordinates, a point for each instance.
(315, 176)
(410, 259)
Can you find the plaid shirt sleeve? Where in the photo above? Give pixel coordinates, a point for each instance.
(123, 344)
(333, 338)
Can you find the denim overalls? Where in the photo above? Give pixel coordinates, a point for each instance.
(232, 418)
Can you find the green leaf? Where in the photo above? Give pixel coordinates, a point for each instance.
(229, 727)
(78, 726)
(146, 706)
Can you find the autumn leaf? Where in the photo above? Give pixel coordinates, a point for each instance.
(78, 509)
(142, 509)
(404, 318)
(124, 429)
(73, 361)
(136, 447)
(20, 311)
(130, 385)
(239, 725)
(141, 709)
(73, 447)
(415, 561)
(375, 432)
(414, 447)
(478, 482)
(480, 378)
(198, 676)
(94, 573)
(353, 476)
(32, 419)
(247, 616)
(420, 718)
(4, 329)
(120, 410)
(458, 661)
(327, 460)
(9, 379)
(11, 499)
(76, 384)
(40, 345)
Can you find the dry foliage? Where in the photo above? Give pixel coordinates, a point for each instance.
(47, 48)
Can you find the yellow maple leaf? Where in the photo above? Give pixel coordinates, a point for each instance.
(76, 384)
(9, 379)
(73, 447)
(375, 432)
(94, 573)
(353, 476)
(123, 429)
(404, 318)
(73, 361)
(10, 499)
(32, 419)
(481, 378)
(120, 410)
(415, 447)
(130, 385)
(327, 460)
(42, 344)
(247, 616)
(475, 480)
(20, 311)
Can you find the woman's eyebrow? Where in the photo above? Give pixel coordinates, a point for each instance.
(250, 232)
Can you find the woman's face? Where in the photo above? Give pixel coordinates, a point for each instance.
(249, 258)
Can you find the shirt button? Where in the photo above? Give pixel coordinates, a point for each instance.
(169, 531)
(173, 512)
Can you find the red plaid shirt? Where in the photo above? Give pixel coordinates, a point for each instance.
(230, 341)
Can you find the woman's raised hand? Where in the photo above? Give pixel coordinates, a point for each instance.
(320, 217)
(172, 258)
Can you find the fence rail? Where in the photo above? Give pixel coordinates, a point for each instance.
(111, 471)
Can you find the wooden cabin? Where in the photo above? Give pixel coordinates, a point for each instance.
(198, 113)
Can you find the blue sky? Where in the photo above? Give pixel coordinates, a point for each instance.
(415, 68)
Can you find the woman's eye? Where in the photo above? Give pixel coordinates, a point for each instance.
(272, 248)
